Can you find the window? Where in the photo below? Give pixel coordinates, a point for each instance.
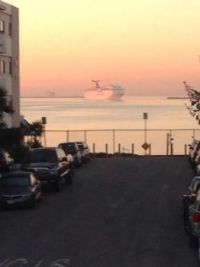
(2, 66)
(2, 26)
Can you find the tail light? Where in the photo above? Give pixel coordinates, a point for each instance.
(196, 217)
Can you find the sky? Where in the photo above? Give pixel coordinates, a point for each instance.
(148, 47)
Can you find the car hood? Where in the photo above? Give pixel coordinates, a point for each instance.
(15, 190)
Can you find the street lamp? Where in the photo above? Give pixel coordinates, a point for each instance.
(145, 145)
(44, 121)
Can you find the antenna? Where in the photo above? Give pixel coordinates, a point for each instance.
(96, 83)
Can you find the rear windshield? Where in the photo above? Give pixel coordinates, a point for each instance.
(37, 156)
(69, 148)
(15, 181)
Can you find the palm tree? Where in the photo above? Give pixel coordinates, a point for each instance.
(36, 131)
(5, 107)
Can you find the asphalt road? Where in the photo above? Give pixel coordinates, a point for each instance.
(120, 212)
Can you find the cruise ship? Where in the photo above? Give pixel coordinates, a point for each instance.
(110, 92)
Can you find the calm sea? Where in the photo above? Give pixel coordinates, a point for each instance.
(81, 114)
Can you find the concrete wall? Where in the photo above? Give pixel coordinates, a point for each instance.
(9, 55)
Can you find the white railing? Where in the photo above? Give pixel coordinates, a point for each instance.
(134, 141)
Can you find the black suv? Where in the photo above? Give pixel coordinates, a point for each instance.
(50, 165)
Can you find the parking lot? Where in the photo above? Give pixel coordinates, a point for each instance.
(119, 212)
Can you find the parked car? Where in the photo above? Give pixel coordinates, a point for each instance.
(194, 150)
(19, 188)
(190, 195)
(50, 165)
(85, 151)
(6, 161)
(71, 148)
(192, 223)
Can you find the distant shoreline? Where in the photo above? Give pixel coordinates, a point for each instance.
(53, 97)
(177, 97)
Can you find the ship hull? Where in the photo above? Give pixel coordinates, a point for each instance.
(102, 94)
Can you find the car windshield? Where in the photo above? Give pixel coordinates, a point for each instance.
(37, 156)
(69, 148)
(17, 181)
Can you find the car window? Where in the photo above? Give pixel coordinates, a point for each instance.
(61, 154)
(70, 148)
(45, 155)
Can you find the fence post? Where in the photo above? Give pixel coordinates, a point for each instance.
(113, 141)
(133, 149)
(172, 148)
(168, 138)
(93, 148)
(185, 149)
(106, 148)
(85, 136)
(119, 148)
(149, 149)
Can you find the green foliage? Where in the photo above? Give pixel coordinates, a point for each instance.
(36, 131)
(20, 153)
(194, 97)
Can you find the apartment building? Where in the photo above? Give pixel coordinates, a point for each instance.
(9, 60)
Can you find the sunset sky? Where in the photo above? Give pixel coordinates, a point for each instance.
(149, 46)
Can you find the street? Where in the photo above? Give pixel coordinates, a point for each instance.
(120, 212)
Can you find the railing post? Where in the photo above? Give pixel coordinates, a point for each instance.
(133, 149)
(113, 141)
(93, 148)
(119, 148)
(106, 148)
(185, 149)
(172, 148)
(149, 149)
(168, 142)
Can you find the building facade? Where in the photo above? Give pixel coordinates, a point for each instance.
(9, 60)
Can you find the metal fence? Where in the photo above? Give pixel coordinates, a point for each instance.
(134, 141)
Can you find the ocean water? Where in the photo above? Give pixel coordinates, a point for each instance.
(79, 113)
(73, 114)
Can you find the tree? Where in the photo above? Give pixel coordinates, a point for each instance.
(5, 107)
(194, 97)
(36, 130)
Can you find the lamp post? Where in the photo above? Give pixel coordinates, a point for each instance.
(44, 121)
(145, 145)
